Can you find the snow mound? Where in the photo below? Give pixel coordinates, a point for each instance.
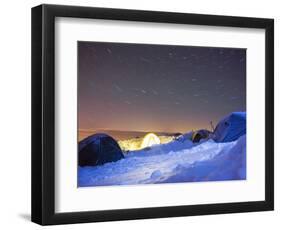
(177, 161)
(229, 164)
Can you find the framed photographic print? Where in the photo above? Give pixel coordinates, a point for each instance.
(141, 114)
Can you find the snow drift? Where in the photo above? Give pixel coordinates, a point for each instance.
(177, 161)
(220, 156)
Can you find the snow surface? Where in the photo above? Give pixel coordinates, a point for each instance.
(177, 161)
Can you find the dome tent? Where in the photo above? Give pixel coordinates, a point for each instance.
(98, 149)
(200, 134)
(231, 127)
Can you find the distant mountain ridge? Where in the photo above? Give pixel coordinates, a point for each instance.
(119, 134)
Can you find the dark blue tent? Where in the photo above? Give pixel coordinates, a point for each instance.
(200, 134)
(231, 127)
(98, 149)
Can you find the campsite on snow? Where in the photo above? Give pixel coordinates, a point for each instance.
(160, 113)
(191, 157)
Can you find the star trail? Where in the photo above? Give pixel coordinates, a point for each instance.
(143, 87)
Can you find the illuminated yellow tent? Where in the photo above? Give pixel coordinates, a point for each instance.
(149, 140)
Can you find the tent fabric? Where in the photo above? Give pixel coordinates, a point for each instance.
(98, 149)
(200, 134)
(231, 127)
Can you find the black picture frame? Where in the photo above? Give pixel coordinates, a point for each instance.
(43, 114)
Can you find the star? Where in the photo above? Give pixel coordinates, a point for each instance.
(108, 50)
(144, 59)
(128, 102)
(118, 88)
(154, 92)
(171, 55)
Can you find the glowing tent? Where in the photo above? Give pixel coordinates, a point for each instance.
(98, 149)
(231, 127)
(149, 140)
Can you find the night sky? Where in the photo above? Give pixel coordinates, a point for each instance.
(139, 87)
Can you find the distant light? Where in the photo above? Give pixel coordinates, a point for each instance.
(149, 140)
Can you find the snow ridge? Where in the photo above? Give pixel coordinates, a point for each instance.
(176, 161)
